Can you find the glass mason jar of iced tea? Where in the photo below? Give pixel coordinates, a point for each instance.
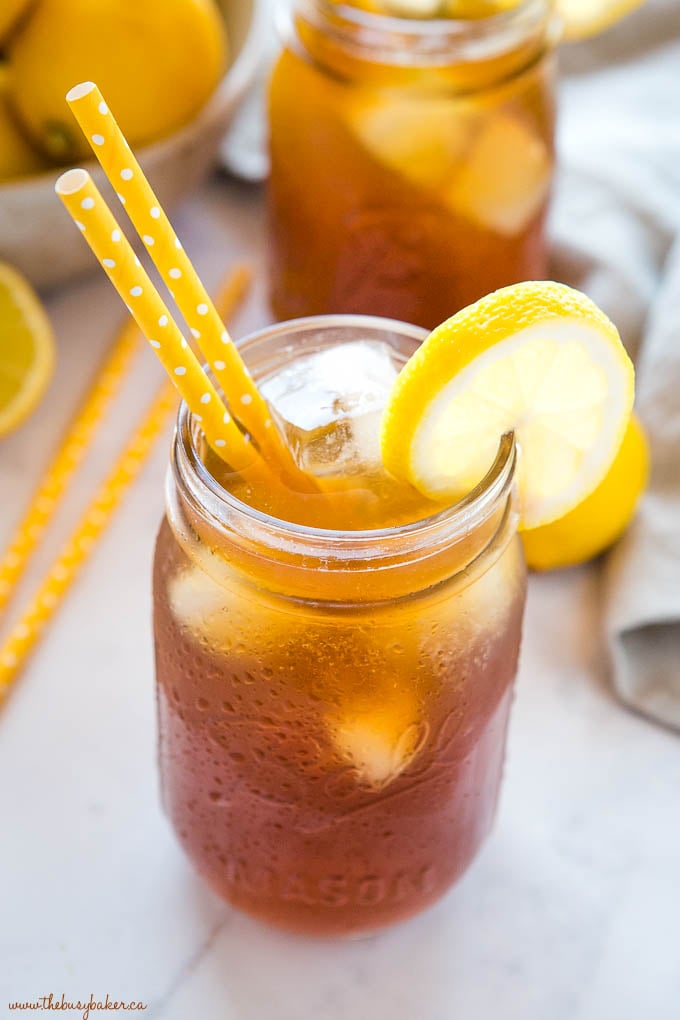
(411, 160)
(334, 671)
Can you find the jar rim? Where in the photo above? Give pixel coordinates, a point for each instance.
(224, 509)
(433, 26)
(428, 38)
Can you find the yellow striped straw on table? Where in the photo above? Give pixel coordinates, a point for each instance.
(177, 272)
(24, 635)
(27, 632)
(47, 497)
(100, 229)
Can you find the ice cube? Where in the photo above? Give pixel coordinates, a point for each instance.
(379, 741)
(421, 138)
(199, 603)
(221, 612)
(505, 178)
(487, 600)
(329, 405)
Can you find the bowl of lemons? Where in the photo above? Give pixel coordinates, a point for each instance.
(173, 73)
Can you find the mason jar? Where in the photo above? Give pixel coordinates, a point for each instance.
(411, 160)
(332, 704)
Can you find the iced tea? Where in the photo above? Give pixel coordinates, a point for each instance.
(334, 671)
(411, 160)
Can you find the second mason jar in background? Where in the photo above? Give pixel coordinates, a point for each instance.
(411, 161)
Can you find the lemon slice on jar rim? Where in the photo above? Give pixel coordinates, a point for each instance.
(538, 359)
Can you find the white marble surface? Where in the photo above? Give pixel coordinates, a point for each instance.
(571, 912)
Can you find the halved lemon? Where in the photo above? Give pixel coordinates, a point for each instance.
(26, 349)
(538, 359)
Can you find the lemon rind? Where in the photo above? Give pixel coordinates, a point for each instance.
(469, 334)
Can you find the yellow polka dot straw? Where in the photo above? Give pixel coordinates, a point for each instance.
(47, 497)
(84, 202)
(63, 572)
(27, 631)
(177, 272)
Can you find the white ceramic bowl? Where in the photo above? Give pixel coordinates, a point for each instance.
(36, 234)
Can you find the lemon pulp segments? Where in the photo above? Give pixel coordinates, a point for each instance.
(538, 359)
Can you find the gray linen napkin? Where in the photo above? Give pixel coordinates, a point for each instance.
(616, 235)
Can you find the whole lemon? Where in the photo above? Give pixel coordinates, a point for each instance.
(10, 12)
(17, 157)
(156, 61)
(593, 525)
